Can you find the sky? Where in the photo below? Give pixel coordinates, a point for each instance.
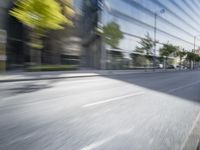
(178, 25)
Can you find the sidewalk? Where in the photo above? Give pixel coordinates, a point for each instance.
(26, 76)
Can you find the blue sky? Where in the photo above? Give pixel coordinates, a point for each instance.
(178, 25)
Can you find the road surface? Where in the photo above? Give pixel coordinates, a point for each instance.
(152, 111)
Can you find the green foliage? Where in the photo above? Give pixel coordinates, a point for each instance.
(67, 9)
(181, 54)
(112, 34)
(167, 50)
(192, 57)
(146, 45)
(197, 58)
(40, 15)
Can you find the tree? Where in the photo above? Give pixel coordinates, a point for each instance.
(67, 9)
(167, 50)
(40, 16)
(196, 58)
(112, 34)
(181, 54)
(192, 58)
(146, 45)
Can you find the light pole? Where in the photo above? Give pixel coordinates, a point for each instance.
(156, 14)
(195, 38)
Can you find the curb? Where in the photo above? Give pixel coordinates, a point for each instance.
(47, 78)
(109, 73)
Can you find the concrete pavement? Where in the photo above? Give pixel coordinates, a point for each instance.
(122, 112)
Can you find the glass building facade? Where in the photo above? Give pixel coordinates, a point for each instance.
(176, 23)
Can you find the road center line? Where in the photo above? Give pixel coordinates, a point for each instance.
(112, 99)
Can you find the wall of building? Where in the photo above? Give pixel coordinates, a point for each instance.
(92, 43)
(16, 48)
(63, 46)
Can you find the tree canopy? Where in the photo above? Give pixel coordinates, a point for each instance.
(40, 15)
(167, 50)
(181, 54)
(146, 45)
(192, 56)
(112, 34)
(67, 9)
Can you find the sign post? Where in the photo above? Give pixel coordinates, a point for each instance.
(3, 58)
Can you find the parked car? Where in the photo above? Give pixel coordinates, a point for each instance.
(170, 67)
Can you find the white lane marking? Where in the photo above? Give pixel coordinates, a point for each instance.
(190, 132)
(183, 87)
(112, 99)
(99, 143)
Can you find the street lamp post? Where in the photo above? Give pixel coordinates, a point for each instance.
(195, 38)
(155, 31)
(156, 14)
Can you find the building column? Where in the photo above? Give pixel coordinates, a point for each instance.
(103, 59)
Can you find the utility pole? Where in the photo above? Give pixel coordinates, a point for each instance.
(162, 11)
(155, 32)
(195, 37)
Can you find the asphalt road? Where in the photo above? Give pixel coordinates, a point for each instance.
(152, 111)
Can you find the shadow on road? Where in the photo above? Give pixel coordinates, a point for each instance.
(29, 88)
(33, 86)
(185, 85)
